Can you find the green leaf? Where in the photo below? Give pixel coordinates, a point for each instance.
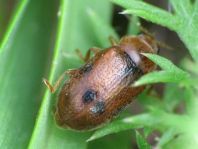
(159, 77)
(184, 22)
(133, 28)
(190, 66)
(14, 24)
(149, 12)
(102, 35)
(173, 95)
(149, 100)
(73, 32)
(156, 119)
(23, 60)
(183, 7)
(195, 8)
(170, 72)
(183, 141)
(115, 141)
(141, 141)
(147, 131)
(5, 15)
(164, 63)
(124, 124)
(166, 137)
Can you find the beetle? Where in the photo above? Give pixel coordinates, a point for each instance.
(96, 92)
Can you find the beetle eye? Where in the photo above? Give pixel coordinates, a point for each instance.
(89, 96)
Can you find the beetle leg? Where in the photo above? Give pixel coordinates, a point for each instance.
(113, 41)
(95, 50)
(79, 53)
(146, 32)
(54, 87)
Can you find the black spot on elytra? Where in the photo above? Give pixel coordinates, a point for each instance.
(99, 108)
(89, 96)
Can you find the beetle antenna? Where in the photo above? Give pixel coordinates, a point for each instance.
(152, 35)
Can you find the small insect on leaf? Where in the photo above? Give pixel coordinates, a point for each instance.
(100, 89)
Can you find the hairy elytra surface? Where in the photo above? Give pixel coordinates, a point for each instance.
(96, 92)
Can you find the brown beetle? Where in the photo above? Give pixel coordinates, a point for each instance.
(97, 91)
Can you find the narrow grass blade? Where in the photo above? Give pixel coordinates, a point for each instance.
(121, 125)
(159, 77)
(14, 24)
(164, 63)
(182, 8)
(102, 35)
(170, 72)
(149, 12)
(22, 66)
